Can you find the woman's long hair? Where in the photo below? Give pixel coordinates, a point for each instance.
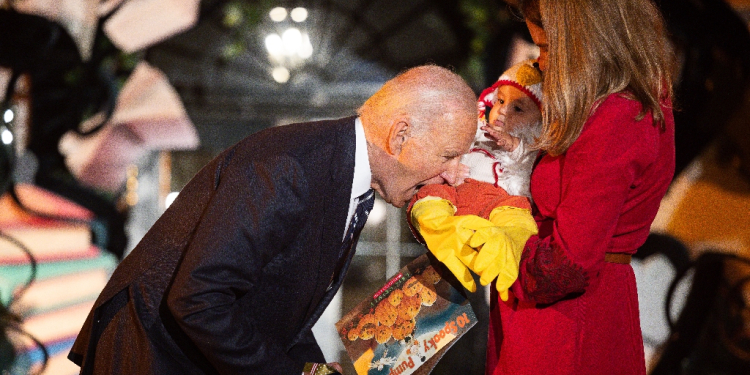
(597, 48)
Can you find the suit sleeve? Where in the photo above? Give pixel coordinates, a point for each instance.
(598, 172)
(256, 210)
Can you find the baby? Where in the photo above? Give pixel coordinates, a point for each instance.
(495, 178)
(502, 154)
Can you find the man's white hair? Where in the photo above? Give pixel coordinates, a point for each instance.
(428, 95)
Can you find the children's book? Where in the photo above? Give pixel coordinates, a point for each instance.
(408, 324)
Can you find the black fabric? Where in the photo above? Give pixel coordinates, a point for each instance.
(102, 317)
(239, 264)
(359, 218)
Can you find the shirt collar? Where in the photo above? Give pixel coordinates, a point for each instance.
(362, 172)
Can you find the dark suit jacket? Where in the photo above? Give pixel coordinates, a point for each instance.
(233, 275)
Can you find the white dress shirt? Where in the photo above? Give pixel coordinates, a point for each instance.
(362, 172)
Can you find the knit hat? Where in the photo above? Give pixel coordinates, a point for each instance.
(523, 76)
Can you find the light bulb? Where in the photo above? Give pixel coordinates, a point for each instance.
(6, 136)
(277, 14)
(280, 74)
(299, 14)
(274, 45)
(306, 48)
(8, 116)
(292, 39)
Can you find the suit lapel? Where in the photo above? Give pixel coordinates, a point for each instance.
(333, 219)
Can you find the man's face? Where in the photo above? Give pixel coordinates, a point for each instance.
(540, 39)
(513, 109)
(428, 158)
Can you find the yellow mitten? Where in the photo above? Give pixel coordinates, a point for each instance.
(447, 236)
(502, 246)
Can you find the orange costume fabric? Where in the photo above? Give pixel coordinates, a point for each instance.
(472, 198)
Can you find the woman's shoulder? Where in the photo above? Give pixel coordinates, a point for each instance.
(616, 122)
(617, 103)
(618, 112)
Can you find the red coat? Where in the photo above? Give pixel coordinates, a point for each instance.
(570, 312)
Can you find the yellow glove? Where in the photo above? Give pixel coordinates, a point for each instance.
(447, 235)
(502, 246)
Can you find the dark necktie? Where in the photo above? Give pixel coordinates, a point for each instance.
(364, 205)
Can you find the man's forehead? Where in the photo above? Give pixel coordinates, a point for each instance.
(449, 139)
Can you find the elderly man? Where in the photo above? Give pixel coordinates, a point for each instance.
(235, 273)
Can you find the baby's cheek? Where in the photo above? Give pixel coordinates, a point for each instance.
(516, 121)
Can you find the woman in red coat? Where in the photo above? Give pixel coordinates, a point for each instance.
(608, 159)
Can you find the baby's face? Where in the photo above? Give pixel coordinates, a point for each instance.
(513, 110)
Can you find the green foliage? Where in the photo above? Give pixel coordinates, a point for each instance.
(241, 17)
(481, 17)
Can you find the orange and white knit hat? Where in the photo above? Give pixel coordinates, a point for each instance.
(524, 76)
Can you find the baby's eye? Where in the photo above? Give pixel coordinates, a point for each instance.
(501, 101)
(517, 108)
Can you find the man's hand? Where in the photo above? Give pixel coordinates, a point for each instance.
(322, 368)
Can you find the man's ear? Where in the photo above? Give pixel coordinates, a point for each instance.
(399, 133)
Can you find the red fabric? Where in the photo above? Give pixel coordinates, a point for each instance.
(569, 312)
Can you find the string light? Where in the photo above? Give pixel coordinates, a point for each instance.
(281, 74)
(277, 14)
(287, 49)
(8, 116)
(299, 14)
(6, 135)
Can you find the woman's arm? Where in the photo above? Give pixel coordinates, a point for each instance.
(598, 172)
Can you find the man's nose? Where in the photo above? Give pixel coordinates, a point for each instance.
(450, 175)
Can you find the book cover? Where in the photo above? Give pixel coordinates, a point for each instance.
(406, 326)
